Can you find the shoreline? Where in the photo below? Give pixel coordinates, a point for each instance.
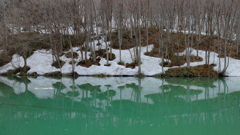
(40, 64)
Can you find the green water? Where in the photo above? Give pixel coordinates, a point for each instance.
(119, 106)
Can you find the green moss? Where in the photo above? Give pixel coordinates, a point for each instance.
(198, 71)
(21, 70)
(70, 75)
(121, 63)
(34, 74)
(102, 75)
(54, 74)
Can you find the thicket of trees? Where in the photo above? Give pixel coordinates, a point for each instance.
(67, 23)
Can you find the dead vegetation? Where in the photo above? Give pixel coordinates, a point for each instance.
(177, 44)
(169, 51)
(197, 71)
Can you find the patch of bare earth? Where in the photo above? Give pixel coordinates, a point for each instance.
(197, 71)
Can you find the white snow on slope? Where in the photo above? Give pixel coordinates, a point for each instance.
(41, 61)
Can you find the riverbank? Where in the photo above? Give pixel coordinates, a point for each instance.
(40, 64)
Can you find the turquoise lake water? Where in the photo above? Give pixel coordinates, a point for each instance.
(119, 106)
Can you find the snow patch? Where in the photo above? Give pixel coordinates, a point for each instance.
(41, 62)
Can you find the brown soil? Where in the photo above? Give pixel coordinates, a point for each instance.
(131, 65)
(110, 55)
(88, 63)
(56, 64)
(176, 44)
(69, 55)
(100, 52)
(197, 71)
(72, 62)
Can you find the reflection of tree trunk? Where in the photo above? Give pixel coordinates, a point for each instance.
(139, 90)
(225, 88)
(73, 90)
(206, 92)
(188, 93)
(26, 81)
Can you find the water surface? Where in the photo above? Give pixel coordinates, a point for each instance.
(119, 106)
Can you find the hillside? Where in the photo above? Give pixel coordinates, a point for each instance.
(40, 60)
(120, 38)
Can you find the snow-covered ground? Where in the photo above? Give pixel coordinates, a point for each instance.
(41, 60)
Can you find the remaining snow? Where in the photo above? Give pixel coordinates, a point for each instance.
(41, 61)
(232, 70)
(17, 61)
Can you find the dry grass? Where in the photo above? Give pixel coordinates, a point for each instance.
(88, 63)
(197, 71)
(176, 44)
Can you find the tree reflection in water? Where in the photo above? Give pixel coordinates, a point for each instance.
(177, 106)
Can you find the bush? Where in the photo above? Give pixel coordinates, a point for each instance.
(14, 71)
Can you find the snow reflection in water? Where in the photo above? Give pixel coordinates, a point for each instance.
(114, 105)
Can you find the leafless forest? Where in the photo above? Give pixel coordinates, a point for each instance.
(63, 24)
